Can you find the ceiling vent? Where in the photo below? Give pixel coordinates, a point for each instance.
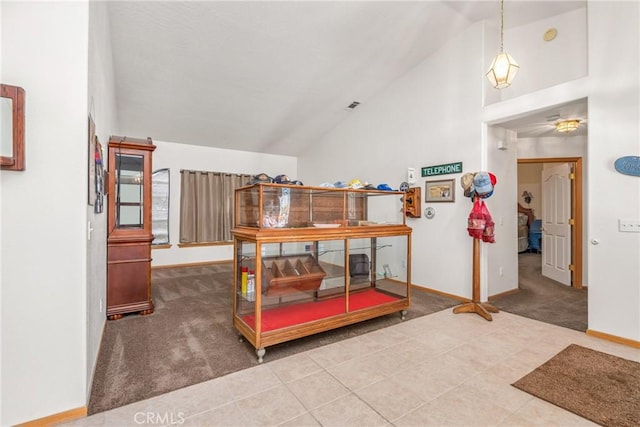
(353, 105)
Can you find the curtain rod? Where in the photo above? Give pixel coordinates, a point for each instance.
(214, 173)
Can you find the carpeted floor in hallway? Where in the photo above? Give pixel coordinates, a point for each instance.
(543, 299)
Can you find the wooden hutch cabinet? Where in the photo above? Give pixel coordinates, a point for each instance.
(310, 259)
(129, 232)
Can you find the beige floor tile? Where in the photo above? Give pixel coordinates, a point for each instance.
(223, 416)
(619, 350)
(453, 361)
(250, 381)
(317, 389)
(390, 398)
(198, 398)
(412, 351)
(513, 368)
(456, 408)
(515, 420)
(386, 337)
(412, 327)
(305, 420)
(545, 349)
(135, 414)
(439, 341)
(474, 355)
(372, 342)
(270, 407)
(334, 354)
(435, 377)
(267, 408)
(541, 413)
(469, 325)
(520, 324)
(560, 337)
(360, 372)
(294, 367)
(495, 389)
(535, 355)
(348, 411)
(507, 340)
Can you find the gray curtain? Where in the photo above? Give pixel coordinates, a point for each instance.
(207, 205)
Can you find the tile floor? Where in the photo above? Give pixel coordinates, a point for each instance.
(444, 369)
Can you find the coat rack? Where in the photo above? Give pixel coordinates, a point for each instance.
(484, 309)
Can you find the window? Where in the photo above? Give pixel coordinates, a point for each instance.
(160, 206)
(206, 205)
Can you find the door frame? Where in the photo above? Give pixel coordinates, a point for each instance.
(576, 212)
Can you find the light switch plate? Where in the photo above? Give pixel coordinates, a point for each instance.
(629, 225)
(411, 176)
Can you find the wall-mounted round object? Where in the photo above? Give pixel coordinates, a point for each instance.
(429, 212)
(550, 34)
(404, 186)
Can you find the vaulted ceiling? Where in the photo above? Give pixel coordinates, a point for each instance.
(275, 76)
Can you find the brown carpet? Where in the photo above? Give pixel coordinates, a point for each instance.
(543, 299)
(594, 385)
(190, 337)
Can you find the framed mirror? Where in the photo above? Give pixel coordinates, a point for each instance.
(160, 206)
(11, 128)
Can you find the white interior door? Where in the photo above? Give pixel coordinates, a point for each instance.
(556, 231)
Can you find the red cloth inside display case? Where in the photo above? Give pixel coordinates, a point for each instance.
(282, 317)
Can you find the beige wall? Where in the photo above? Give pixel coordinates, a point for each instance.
(529, 175)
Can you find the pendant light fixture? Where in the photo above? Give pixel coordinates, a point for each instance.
(503, 68)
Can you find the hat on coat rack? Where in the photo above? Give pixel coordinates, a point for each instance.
(483, 184)
(466, 181)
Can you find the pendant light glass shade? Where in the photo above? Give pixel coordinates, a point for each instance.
(502, 71)
(503, 68)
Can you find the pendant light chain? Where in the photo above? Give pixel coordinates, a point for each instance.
(501, 26)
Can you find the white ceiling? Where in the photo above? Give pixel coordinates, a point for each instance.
(274, 76)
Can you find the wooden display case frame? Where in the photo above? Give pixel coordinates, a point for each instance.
(252, 330)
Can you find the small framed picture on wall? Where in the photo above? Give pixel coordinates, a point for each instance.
(440, 191)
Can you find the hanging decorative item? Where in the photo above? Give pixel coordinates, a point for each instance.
(412, 202)
(99, 177)
(503, 68)
(628, 165)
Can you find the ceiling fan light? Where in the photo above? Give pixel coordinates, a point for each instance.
(567, 125)
(502, 71)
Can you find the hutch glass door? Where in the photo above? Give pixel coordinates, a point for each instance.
(129, 191)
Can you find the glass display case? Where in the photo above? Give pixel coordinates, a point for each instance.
(129, 227)
(310, 259)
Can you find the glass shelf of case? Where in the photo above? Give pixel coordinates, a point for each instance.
(276, 206)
